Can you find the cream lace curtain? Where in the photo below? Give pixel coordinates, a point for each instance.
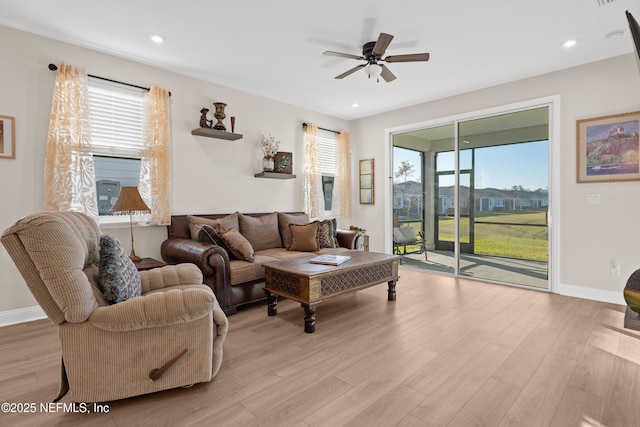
(69, 175)
(341, 205)
(313, 195)
(313, 198)
(155, 160)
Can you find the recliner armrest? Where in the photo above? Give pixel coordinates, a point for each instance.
(155, 310)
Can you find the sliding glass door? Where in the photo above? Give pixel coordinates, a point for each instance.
(483, 186)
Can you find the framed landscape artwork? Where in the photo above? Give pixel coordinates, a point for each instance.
(7, 137)
(607, 148)
(366, 182)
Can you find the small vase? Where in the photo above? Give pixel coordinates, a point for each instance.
(267, 164)
(219, 114)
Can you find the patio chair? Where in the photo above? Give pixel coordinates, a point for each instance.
(404, 236)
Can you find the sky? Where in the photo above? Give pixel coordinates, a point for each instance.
(525, 164)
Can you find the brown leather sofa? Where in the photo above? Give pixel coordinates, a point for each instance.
(235, 281)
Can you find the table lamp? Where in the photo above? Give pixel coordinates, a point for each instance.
(129, 201)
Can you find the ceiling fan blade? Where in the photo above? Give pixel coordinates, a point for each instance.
(351, 71)
(342, 55)
(386, 74)
(382, 43)
(414, 57)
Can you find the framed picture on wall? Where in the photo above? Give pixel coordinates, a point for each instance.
(283, 162)
(366, 182)
(607, 148)
(7, 137)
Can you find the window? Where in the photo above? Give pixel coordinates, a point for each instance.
(117, 123)
(327, 158)
(327, 176)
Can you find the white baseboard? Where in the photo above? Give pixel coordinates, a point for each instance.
(21, 315)
(592, 294)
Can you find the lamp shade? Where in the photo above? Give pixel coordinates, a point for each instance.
(129, 201)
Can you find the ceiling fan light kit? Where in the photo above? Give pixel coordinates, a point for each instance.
(373, 70)
(372, 53)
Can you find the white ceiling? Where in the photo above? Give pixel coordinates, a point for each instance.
(274, 48)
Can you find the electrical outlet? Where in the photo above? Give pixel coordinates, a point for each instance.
(593, 199)
(615, 269)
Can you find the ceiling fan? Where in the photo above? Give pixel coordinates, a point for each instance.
(372, 53)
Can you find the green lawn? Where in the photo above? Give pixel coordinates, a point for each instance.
(514, 241)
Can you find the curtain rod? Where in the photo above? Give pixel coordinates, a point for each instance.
(54, 67)
(304, 125)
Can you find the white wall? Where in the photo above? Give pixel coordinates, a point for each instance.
(590, 236)
(209, 175)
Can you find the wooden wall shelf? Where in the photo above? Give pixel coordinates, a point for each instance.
(275, 175)
(215, 133)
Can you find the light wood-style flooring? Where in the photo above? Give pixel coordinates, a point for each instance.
(448, 352)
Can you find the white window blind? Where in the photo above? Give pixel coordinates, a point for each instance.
(327, 159)
(327, 152)
(117, 119)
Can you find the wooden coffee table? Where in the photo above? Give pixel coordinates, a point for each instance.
(311, 284)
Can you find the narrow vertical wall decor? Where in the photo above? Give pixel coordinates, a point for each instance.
(7, 137)
(366, 182)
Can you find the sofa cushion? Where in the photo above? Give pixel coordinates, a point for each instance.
(118, 276)
(227, 222)
(327, 235)
(304, 237)
(283, 223)
(262, 232)
(236, 244)
(243, 271)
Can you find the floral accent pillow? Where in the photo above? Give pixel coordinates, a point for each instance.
(326, 234)
(118, 277)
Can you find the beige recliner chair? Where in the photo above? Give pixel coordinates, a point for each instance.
(133, 347)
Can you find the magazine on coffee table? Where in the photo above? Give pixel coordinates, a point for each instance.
(330, 259)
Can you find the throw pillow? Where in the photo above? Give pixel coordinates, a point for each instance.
(208, 234)
(326, 234)
(261, 232)
(118, 277)
(283, 223)
(304, 237)
(196, 223)
(237, 245)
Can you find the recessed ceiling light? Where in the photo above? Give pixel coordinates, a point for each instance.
(156, 38)
(355, 105)
(570, 43)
